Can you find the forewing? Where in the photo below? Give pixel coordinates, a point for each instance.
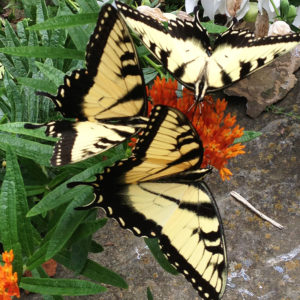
(238, 54)
(112, 85)
(182, 49)
(169, 145)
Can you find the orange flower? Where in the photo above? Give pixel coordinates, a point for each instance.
(133, 142)
(214, 129)
(8, 279)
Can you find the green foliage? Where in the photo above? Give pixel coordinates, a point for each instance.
(155, 250)
(38, 220)
(288, 11)
(247, 136)
(149, 294)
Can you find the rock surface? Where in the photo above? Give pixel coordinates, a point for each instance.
(268, 85)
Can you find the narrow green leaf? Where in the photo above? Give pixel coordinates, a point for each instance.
(87, 229)
(93, 271)
(38, 257)
(18, 128)
(43, 52)
(35, 151)
(38, 84)
(67, 224)
(62, 194)
(89, 5)
(79, 254)
(64, 287)
(9, 209)
(25, 229)
(54, 74)
(248, 136)
(95, 247)
(66, 21)
(80, 37)
(211, 27)
(35, 190)
(149, 294)
(159, 256)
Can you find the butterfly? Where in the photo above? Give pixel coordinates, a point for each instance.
(184, 49)
(108, 98)
(159, 192)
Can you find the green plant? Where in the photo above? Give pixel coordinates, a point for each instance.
(38, 220)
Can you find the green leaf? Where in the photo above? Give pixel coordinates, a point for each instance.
(149, 294)
(38, 84)
(10, 193)
(247, 136)
(149, 74)
(35, 151)
(87, 229)
(93, 271)
(68, 223)
(213, 28)
(64, 287)
(79, 254)
(18, 128)
(54, 74)
(35, 190)
(89, 5)
(43, 52)
(95, 247)
(66, 21)
(38, 257)
(284, 8)
(62, 194)
(159, 256)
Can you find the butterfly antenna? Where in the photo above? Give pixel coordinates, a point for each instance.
(194, 107)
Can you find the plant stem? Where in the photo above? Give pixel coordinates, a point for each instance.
(154, 65)
(275, 8)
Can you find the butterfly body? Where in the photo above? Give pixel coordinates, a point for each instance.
(184, 50)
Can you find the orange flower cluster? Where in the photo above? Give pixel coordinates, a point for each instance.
(215, 130)
(8, 279)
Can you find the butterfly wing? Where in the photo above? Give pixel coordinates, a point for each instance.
(238, 53)
(182, 49)
(112, 85)
(184, 217)
(193, 238)
(81, 140)
(169, 145)
(111, 89)
(159, 192)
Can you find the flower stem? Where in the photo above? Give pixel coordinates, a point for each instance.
(154, 65)
(275, 8)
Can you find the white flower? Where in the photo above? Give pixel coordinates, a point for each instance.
(232, 8)
(212, 7)
(279, 28)
(237, 8)
(296, 21)
(190, 5)
(267, 5)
